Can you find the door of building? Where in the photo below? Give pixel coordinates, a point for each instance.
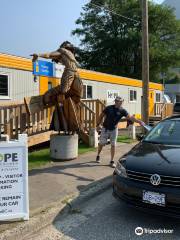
(151, 102)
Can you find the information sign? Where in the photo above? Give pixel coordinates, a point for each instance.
(14, 200)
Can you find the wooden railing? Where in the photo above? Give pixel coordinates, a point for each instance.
(168, 110)
(163, 109)
(158, 108)
(96, 105)
(87, 118)
(14, 119)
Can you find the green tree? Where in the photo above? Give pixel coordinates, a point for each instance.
(112, 44)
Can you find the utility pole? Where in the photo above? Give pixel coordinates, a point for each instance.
(145, 62)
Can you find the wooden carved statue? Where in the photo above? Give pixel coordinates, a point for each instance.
(66, 96)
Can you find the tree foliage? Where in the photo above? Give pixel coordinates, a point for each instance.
(112, 44)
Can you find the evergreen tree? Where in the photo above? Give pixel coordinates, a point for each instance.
(111, 43)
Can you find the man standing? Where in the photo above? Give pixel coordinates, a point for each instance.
(112, 115)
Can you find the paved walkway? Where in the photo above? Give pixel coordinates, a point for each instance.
(63, 178)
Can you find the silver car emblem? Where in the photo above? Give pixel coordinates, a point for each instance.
(155, 179)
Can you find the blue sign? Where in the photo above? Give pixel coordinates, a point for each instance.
(43, 68)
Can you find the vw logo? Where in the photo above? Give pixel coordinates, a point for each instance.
(155, 179)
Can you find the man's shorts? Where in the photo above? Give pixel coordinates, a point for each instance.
(108, 134)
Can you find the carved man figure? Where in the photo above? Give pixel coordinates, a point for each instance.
(69, 92)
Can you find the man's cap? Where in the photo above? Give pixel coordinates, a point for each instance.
(119, 99)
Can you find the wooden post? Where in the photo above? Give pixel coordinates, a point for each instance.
(5, 122)
(97, 109)
(145, 62)
(17, 122)
(22, 119)
(94, 120)
(11, 117)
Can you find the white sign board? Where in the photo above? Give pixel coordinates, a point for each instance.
(58, 70)
(14, 199)
(111, 95)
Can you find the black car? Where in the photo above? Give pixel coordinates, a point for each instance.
(176, 108)
(148, 176)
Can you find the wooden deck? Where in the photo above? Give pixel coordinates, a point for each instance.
(39, 138)
(161, 111)
(15, 120)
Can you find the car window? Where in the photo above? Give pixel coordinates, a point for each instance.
(166, 132)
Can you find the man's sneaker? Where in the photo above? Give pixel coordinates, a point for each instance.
(112, 164)
(98, 159)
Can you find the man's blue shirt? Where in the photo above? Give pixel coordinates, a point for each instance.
(112, 116)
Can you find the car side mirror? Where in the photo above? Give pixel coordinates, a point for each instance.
(140, 137)
(147, 127)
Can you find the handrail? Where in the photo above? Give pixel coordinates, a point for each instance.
(9, 104)
(89, 100)
(162, 109)
(101, 102)
(84, 105)
(15, 120)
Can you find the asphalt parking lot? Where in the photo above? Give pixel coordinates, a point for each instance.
(105, 218)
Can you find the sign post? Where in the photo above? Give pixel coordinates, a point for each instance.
(14, 199)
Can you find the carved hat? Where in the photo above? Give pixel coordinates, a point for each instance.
(67, 45)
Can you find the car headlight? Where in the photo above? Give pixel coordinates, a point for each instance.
(120, 170)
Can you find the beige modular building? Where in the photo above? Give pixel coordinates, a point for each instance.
(17, 81)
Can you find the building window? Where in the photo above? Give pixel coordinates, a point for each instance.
(158, 97)
(49, 85)
(87, 91)
(4, 85)
(132, 95)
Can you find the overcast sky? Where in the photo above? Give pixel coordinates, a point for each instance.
(38, 25)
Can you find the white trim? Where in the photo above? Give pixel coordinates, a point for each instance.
(86, 90)
(5, 97)
(158, 92)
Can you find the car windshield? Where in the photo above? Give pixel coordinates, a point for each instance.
(166, 132)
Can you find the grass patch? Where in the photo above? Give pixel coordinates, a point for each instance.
(83, 148)
(125, 139)
(42, 157)
(39, 158)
